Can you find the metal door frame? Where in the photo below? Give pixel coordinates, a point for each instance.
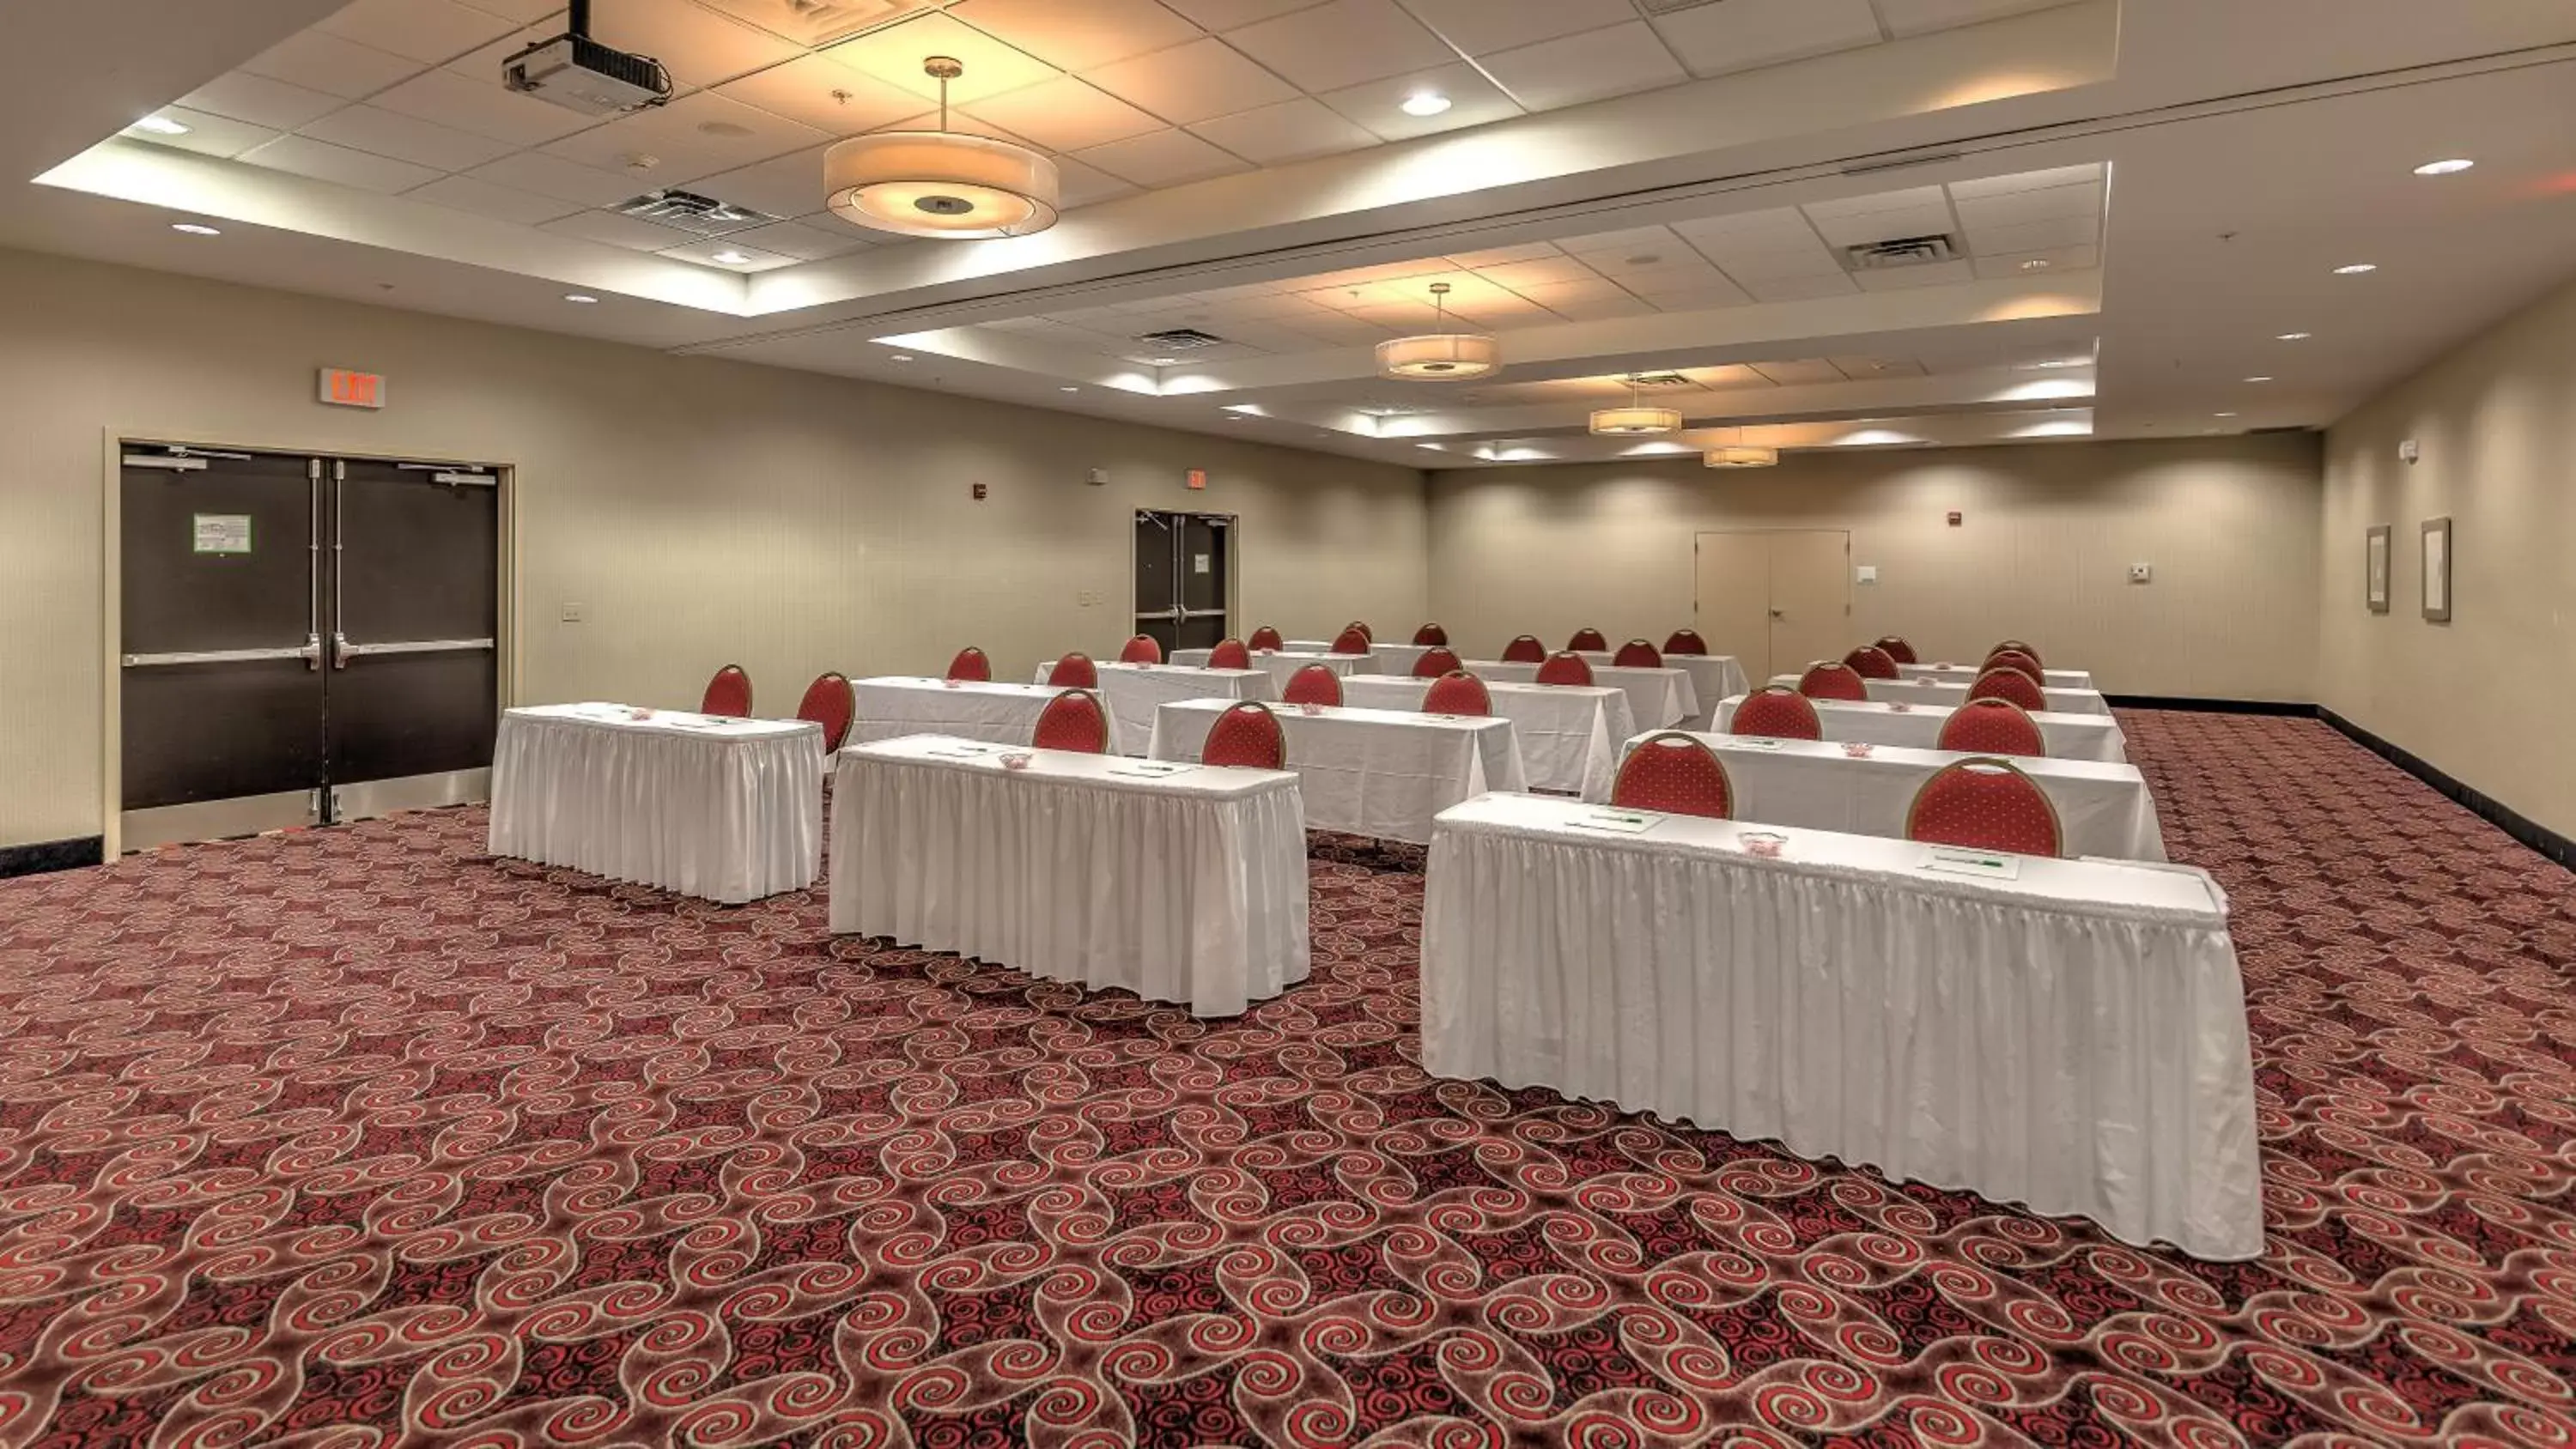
(111, 740)
(1233, 585)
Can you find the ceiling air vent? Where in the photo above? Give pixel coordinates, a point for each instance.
(1663, 381)
(1181, 339)
(1908, 251)
(814, 23)
(690, 212)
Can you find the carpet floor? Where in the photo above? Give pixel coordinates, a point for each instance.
(357, 1137)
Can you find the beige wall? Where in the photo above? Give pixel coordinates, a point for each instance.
(2485, 697)
(2049, 533)
(702, 510)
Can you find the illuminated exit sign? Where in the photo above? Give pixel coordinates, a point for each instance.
(342, 388)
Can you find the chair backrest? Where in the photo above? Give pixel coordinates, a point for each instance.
(2009, 684)
(1985, 804)
(729, 693)
(1677, 774)
(1566, 667)
(1898, 650)
(1828, 680)
(1431, 635)
(2018, 646)
(1362, 626)
(1525, 650)
(1353, 641)
(1141, 650)
(1993, 727)
(1314, 684)
(830, 702)
(1248, 736)
(1434, 662)
(1074, 721)
(1637, 654)
(1588, 640)
(1871, 662)
(970, 664)
(1268, 638)
(1458, 692)
(1075, 671)
(1230, 654)
(2015, 659)
(1775, 711)
(1686, 641)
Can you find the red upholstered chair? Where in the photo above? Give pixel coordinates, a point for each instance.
(2009, 684)
(1314, 684)
(1141, 650)
(1871, 662)
(971, 665)
(1433, 663)
(1985, 804)
(1676, 774)
(1268, 638)
(1993, 727)
(1588, 640)
(1073, 721)
(1230, 654)
(829, 702)
(1458, 692)
(1637, 654)
(729, 693)
(1362, 626)
(2015, 659)
(1898, 650)
(1566, 667)
(1828, 680)
(1525, 650)
(1075, 671)
(1354, 640)
(1247, 736)
(1775, 711)
(1686, 641)
(1431, 635)
(2018, 647)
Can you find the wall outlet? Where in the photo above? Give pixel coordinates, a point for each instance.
(1865, 574)
(572, 613)
(2142, 573)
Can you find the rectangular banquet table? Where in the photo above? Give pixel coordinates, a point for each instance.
(1374, 772)
(2073, 1038)
(1569, 738)
(1282, 664)
(1967, 674)
(1132, 692)
(1660, 698)
(1188, 888)
(1950, 694)
(2103, 810)
(2068, 736)
(729, 810)
(1391, 658)
(1713, 677)
(996, 713)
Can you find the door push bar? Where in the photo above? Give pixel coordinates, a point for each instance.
(310, 653)
(342, 651)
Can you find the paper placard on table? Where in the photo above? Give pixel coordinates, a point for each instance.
(1151, 769)
(1994, 865)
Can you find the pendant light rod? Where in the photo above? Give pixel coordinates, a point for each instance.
(943, 69)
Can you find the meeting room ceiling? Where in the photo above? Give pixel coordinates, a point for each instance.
(1806, 223)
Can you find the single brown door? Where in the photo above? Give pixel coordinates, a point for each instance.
(1733, 594)
(1810, 598)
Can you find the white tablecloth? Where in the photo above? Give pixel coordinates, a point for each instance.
(2068, 736)
(2074, 1039)
(728, 810)
(1967, 674)
(2104, 810)
(1391, 658)
(1569, 738)
(1001, 714)
(1660, 698)
(1282, 665)
(1713, 677)
(1950, 694)
(1373, 772)
(1133, 692)
(1188, 889)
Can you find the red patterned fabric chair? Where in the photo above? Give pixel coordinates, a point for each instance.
(1354, 640)
(829, 702)
(1993, 727)
(1434, 662)
(1362, 626)
(1871, 662)
(2017, 646)
(1525, 650)
(1248, 737)
(1073, 721)
(1431, 635)
(971, 666)
(1314, 684)
(1268, 638)
(1637, 654)
(1775, 711)
(1566, 667)
(1686, 641)
(2015, 659)
(1588, 640)
(1141, 650)
(1075, 671)
(2010, 684)
(1458, 692)
(1898, 650)
(1675, 774)
(729, 693)
(1985, 804)
(1230, 654)
(1828, 680)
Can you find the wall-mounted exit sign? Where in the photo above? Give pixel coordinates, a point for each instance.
(342, 388)
(1198, 478)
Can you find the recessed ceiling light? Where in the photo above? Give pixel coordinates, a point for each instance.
(1068, 389)
(1166, 362)
(194, 228)
(732, 258)
(1425, 103)
(2294, 337)
(2356, 269)
(2222, 415)
(2258, 379)
(2035, 264)
(159, 126)
(2451, 167)
(900, 357)
(584, 298)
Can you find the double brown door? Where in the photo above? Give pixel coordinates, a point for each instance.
(1777, 599)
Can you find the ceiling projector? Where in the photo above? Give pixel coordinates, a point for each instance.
(580, 74)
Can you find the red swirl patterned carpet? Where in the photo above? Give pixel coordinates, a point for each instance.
(357, 1138)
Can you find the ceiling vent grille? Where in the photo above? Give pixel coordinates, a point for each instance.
(690, 212)
(1660, 382)
(815, 23)
(1181, 339)
(1908, 251)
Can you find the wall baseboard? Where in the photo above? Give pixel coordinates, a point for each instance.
(2211, 706)
(2486, 807)
(50, 855)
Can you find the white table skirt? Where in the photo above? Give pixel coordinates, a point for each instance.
(2074, 1040)
(1132, 692)
(727, 810)
(1282, 664)
(1569, 738)
(1660, 698)
(1188, 889)
(1713, 677)
(1967, 674)
(1918, 727)
(1378, 773)
(1001, 714)
(1950, 694)
(2104, 810)
(1391, 658)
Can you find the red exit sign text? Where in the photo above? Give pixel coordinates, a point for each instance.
(342, 388)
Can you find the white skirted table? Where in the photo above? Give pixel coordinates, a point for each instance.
(1001, 714)
(2069, 1035)
(1660, 698)
(1187, 887)
(1950, 694)
(2103, 810)
(1282, 664)
(1391, 658)
(1569, 737)
(729, 810)
(1713, 677)
(1374, 772)
(1967, 674)
(2068, 736)
(1132, 692)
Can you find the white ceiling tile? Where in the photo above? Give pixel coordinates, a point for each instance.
(731, 254)
(2017, 264)
(1520, 275)
(482, 107)
(1623, 60)
(895, 54)
(1801, 372)
(1906, 279)
(524, 12)
(1743, 34)
(1799, 289)
(1080, 185)
(1864, 369)
(1342, 43)
(1193, 82)
(964, 124)
(696, 45)
(2027, 181)
(819, 22)
(1379, 104)
(789, 185)
(1290, 131)
(563, 180)
(1227, 14)
(320, 61)
(2037, 236)
(1161, 158)
(1066, 114)
(1729, 378)
(1701, 299)
(693, 136)
(406, 138)
(1912, 196)
(207, 135)
(1811, 260)
(2017, 207)
(1481, 27)
(1548, 294)
(428, 31)
(1749, 231)
(1863, 228)
(1589, 306)
(1079, 34)
(1683, 271)
(326, 162)
(262, 102)
(1913, 17)
(502, 203)
(803, 241)
(618, 231)
(831, 98)
(1503, 256)
(1629, 241)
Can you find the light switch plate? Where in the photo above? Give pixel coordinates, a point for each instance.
(572, 613)
(1865, 574)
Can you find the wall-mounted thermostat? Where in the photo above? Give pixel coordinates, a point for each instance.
(2142, 573)
(2410, 451)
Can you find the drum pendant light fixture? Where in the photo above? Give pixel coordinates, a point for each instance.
(940, 183)
(1442, 355)
(1738, 455)
(1636, 420)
